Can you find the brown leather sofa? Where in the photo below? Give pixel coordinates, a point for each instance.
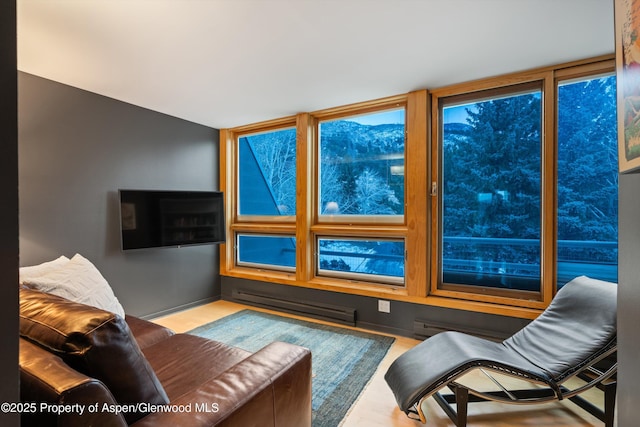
(82, 366)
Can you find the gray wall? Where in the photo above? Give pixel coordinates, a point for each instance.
(76, 149)
(399, 321)
(9, 386)
(629, 301)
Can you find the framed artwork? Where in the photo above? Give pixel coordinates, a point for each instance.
(627, 23)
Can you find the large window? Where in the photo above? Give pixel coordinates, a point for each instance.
(361, 185)
(362, 165)
(267, 173)
(587, 179)
(266, 199)
(528, 180)
(486, 196)
(491, 175)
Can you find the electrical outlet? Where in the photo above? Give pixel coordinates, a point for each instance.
(384, 306)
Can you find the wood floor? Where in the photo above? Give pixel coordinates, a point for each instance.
(376, 406)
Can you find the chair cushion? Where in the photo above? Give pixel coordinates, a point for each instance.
(95, 342)
(577, 328)
(579, 323)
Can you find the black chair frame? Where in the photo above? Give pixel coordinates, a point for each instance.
(462, 395)
(574, 338)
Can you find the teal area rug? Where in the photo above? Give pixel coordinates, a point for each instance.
(343, 360)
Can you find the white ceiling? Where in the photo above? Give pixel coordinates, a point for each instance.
(225, 63)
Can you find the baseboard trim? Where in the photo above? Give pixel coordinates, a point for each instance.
(180, 308)
(328, 312)
(426, 328)
(377, 327)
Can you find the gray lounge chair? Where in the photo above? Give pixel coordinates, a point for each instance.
(574, 337)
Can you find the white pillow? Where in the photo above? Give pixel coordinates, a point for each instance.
(32, 271)
(80, 281)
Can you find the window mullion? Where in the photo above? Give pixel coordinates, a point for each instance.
(305, 186)
(549, 178)
(227, 185)
(416, 194)
(435, 183)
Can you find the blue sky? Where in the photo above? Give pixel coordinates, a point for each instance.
(454, 114)
(457, 113)
(386, 117)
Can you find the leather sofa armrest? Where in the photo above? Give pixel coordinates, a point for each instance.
(145, 332)
(46, 379)
(272, 387)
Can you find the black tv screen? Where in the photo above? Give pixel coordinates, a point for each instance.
(152, 218)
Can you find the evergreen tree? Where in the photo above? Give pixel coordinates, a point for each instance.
(588, 169)
(492, 171)
(587, 161)
(492, 183)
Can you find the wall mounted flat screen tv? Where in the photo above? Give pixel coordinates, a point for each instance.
(153, 219)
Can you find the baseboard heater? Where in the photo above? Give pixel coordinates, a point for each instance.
(331, 313)
(423, 329)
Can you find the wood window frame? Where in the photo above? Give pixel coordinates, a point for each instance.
(548, 79)
(420, 227)
(308, 226)
(248, 224)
